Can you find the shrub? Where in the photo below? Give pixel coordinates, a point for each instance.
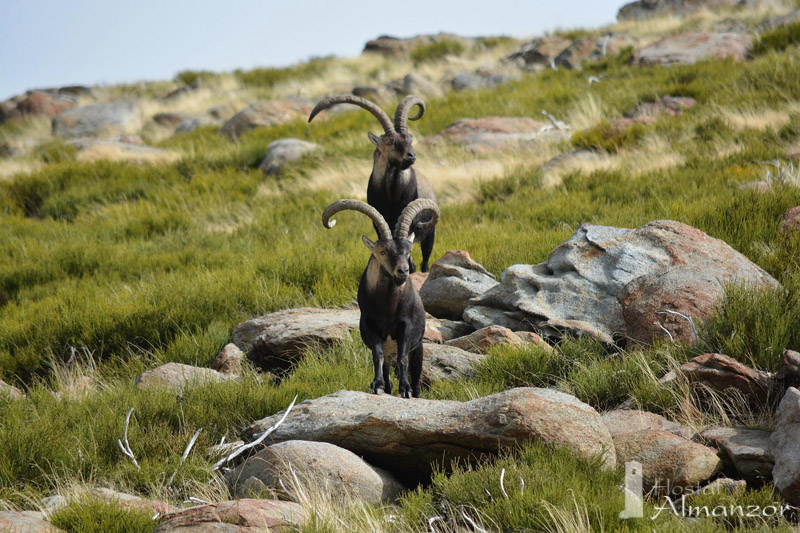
(778, 39)
(435, 51)
(609, 136)
(55, 151)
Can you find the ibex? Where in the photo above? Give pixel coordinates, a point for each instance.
(389, 303)
(393, 184)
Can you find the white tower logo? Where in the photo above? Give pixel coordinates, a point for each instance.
(633, 491)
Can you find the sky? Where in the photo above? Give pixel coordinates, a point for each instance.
(51, 43)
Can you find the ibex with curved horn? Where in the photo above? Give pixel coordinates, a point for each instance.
(390, 305)
(393, 184)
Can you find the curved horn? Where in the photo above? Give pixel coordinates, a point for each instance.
(361, 207)
(410, 213)
(372, 107)
(401, 117)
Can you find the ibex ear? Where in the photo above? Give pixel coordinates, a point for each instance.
(373, 138)
(368, 243)
(410, 238)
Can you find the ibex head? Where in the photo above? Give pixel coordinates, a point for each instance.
(395, 144)
(391, 252)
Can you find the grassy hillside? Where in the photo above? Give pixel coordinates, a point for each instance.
(109, 268)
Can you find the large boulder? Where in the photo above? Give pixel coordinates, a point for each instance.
(237, 516)
(618, 284)
(621, 421)
(26, 522)
(36, 104)
(540, 52)
(176, 377)
(668, 461)
(276, 341)
(98, 120)
(644, 9)
(592, 48)
(484, 339)
(397, 47)
(689, 48)
(264, 113)
(454, 280)
(500, 133)
(409, 437)
(724, 374)
(464, 81)
(285, 151)
(442, 330)
(748, 451)
(319, 464)
(440, 362)
(786, 447)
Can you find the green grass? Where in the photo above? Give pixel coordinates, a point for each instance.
(778, 39)
(100, 517)
(268, 77)
(437, 50)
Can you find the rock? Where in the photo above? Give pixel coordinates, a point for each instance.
(37, 104)
(614, 283)
(791, 363)
(442, 330)
(724, 485)
(192, 123)
(98, 120)
(541, 51)
(669, 105)
(10, 391)
(592, 48)
(453, 280)
(486, 338)
(238, 516)
(791, 221)
(285, 151)
(415, 84)
(622, 421)
(554, 169)
(749, 451)
(408, 437)
(440, 362)
(667, 460)
(786, 447)
(643, 9)
(319, 464)
(720, 373)
(277, 340)
(399, 48)
(76, 90)
(499, 133)
(418, 279)
(26, 522)
(170, 119)
(176, 377)
(689, 48)
(221, 112)
(229, 360)
(264, 113)
(469, 81)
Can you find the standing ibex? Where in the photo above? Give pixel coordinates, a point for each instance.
(393, 184)
(389, 303)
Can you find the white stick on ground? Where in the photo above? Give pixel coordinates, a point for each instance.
(185, 455)
(502, 488)
(243, 448)
(466, 517)
(685, 317)
(126, 447)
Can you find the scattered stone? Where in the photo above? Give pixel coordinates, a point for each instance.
(453, 280)
(76, 90)
(237, 516)
(264, 113)
(720, 373)
(470, 81)
(26, 522)
(229, 360)
(724, 485)
(170, 119)
(277, 340)
(667, 460)
(499, 133)
(36, 104)
(486, 338)
(395, 47)
(749, 451)
(614, 283)
(689, 48)
(10, 391)
(192, 123)
(622, 421)
(283, 152)
(669, 105)
(592, 48)
(440, 362)
(407, 437)
(415, 84)
(315, 464)
(98, 120)
(540, 52)
(786, 447)
(791, 221)
(643, 9)
(442, 330)
(221, 112)
(176, 377)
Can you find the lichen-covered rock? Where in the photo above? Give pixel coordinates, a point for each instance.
(440, 362)
(36, 104)
(722, 373)
(237, 516)
(592, 48)
(442, 330)
(500, 133)
(482, 340)
(176, 377)
(786, 447)
(98, 120)
(643, 9)
(264, 113)
(541, 51)
(315, 463)
(229, 360)
(621, 421)
(408, 437)
(285, 151)
(748, 451)
(26, 522)
(617, 284)
(277, 340)
(689, 48)
(454, 280)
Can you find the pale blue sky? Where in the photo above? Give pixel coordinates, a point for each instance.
(47, 43)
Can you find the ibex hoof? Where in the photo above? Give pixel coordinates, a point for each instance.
(377, 387)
